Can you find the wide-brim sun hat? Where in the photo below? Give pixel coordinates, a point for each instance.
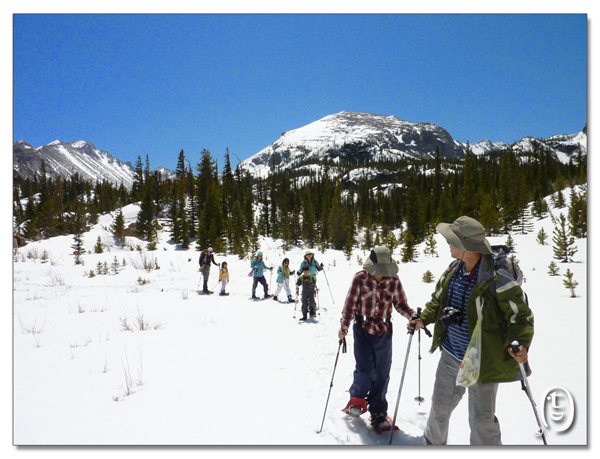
(466, 233)
(380, 263)
(309, 252)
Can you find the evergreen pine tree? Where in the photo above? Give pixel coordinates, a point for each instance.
(77, 247)
(563, 243)
(430, 245)
(570, 283)
(559, 200)
(489, 216)
(391, 241)
(118, 228)
(428, 277)
(145, 224)
(115, 266)
(578, 214)
(98, 247)
(468, 193)
(409, 251)
(138, 179)
(510, 242)
(542, 237)
(553, 269)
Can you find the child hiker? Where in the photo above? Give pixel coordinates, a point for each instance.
(283, 280)
(223, 278)
(309, 290)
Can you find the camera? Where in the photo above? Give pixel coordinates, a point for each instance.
(451, 316)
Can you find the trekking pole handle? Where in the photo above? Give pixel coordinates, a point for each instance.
(515, 346)
(342, 343)
(418, 316)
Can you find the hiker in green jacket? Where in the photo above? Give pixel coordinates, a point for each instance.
(472, 288)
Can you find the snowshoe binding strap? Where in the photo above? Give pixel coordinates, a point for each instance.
(356, 406)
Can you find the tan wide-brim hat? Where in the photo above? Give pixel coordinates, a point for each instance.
(466, 233)
(380, 263)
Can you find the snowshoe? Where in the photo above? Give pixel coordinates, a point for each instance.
(381, 422)
(356, 406)
(303, 318)
(223, 294)
(267, 296)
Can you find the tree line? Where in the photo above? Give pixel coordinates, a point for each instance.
(228, 209)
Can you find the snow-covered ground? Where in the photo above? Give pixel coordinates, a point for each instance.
(212, 370)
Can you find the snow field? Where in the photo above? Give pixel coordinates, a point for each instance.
(203, 364)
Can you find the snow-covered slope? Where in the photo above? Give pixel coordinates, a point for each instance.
(363, 137)
(353, 136)
(66, 159)
(139, 358)
(484, 146)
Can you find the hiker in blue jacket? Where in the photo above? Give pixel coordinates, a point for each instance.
(313, 265)
(258, 266)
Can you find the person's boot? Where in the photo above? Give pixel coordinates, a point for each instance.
(275, 298)
(356, 406)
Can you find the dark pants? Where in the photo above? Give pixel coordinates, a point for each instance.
(263, 281)
(373, 354)
(308, 303)
(205, 274)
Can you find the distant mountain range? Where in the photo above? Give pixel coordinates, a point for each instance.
(354, 136)
(350, 137)
(66, 159)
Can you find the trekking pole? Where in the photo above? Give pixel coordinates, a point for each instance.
(420, 399)
(525, 386)
(332, 300)
(318, 303)
(296, 303)
(342, 345)
(412, 332)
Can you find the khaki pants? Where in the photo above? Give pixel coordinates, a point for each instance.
(485, 429)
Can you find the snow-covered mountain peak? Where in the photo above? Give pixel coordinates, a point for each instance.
(352, 136)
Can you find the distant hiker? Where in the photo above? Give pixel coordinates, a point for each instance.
(313, 265)
(473, 294)
(374, 293)
(206, 258)
(283, 280)
(258, 266)
(309, 290)
(223, 278)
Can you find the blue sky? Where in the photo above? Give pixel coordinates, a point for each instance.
(137, 84)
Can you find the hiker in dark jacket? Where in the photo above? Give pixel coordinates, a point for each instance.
(471, 289)
(207, 258)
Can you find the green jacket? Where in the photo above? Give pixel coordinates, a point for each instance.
(506, 317)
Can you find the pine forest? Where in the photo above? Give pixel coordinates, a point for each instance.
(228, 209)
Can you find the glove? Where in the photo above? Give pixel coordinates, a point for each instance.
(342, 332)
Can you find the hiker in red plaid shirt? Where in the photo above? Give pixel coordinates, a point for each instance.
(374, 292)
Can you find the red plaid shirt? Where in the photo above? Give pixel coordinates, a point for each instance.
(374, 300)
